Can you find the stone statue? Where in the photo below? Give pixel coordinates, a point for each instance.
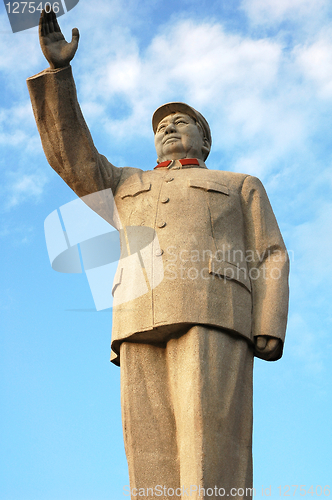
(186, 346)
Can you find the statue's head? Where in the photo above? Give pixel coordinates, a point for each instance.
(180, 132)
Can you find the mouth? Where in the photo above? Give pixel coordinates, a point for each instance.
(172, 138)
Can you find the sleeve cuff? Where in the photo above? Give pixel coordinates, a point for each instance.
(48, 70)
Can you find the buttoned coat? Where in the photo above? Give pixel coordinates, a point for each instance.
(199, 246)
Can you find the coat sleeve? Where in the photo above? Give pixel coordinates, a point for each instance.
(65, 137)
(268, 262)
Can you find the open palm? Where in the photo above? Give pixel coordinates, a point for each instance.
(57, 51)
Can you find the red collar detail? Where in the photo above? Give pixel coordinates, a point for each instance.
(164, 164)
(189, 161)
(184, 161)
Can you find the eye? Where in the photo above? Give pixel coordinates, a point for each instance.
(180, 121)
(161, 128)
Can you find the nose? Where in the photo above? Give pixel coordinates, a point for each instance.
(170, 128)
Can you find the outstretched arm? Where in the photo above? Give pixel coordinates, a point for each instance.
(65, 137)
(57, 51)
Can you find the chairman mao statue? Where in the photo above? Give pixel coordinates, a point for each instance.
(186, 346)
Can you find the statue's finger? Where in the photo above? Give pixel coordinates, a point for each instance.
(272, 344)
(56, 26)
(46, 29)
(276, 352)
(261, 342)
(51, 26)
(55, 22)
(41, 25)
(48, 16)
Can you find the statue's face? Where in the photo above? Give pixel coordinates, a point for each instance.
(178, 136)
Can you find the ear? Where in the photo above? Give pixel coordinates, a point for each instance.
(206, 148)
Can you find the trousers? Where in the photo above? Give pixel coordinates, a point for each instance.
(187, 416)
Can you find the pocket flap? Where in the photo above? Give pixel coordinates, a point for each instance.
(134, 189)
(209, 185)
(230, 271)
(117, 279)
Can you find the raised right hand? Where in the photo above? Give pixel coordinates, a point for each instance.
(57, 51)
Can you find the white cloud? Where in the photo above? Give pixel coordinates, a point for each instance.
(208, 68)
(26, 186)
(19, 52)
(315, 63)
(275, 11)
(21, 180)
(16, 124)
(252, 91)
(261, 100)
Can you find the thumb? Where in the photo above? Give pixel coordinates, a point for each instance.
(75, 36)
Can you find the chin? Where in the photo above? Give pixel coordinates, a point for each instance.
(173, 153)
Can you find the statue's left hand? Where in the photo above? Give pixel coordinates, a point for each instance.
(268, 348)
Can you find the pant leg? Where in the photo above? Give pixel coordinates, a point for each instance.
(148, 419)
(210, 376)
(187, 414)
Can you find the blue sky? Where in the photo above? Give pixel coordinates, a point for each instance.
(261, 73)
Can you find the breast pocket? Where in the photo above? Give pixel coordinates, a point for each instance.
(134, 202)
(216, 196)
(134, 189)
(209, 186)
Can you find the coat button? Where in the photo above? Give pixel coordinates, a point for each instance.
(159, 252)
(169, 179)
(165, 200)
(162, 224)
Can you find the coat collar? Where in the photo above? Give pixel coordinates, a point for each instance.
(184, 163)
